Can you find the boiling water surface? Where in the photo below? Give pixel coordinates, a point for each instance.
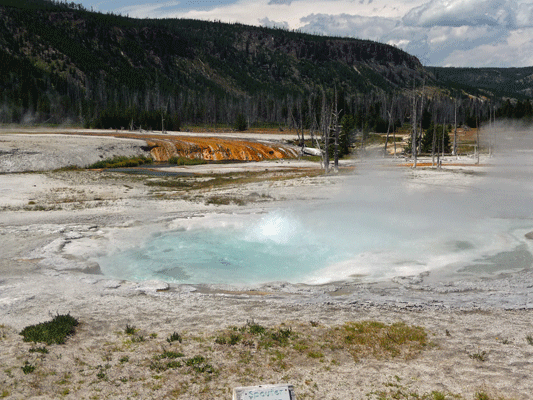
(379, 226)
(309, 248)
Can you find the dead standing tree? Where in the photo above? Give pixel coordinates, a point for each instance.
(298, 123)
(336, 129)
(325, 124)
(414, 136)
(388, 128)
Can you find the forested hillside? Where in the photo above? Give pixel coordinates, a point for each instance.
(491, 82)
(60, 62)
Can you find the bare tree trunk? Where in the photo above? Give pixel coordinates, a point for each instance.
(455, 129)
(336, 127)
(311, 113)
(438, 153)
(394, 138)
(413, 125)
(433, 144)
(443, 133)
(478, 127)
(362, 140)
(325, 133)
(420, 131)
(300, 111)
(388, 128)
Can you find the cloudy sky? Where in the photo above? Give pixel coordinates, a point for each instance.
(460, 33)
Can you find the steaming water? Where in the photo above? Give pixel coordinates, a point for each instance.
(282, 247)
(378, 228)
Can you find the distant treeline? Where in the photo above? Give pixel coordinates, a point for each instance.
(61, 63)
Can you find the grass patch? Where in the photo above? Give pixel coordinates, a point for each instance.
(42, 350)
(171, 354)
(255, 335)
(121, 162)
(225, 200)
(529, 339)
(68, 168)
(186, 161)
(174, 183)
(199, 364)
(379, 339)
(52, 332)
(211, 181)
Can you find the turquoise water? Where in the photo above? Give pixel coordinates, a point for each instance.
(309, 248)
(377, 229)
(272, 248)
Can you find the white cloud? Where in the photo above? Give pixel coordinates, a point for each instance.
(504, 13)
(452, 32)
(373, 28)
(516, 51)
(148, 10)
(293, 11)
(524, 15)
(274, 24)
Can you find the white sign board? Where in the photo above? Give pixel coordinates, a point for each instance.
(264, 392)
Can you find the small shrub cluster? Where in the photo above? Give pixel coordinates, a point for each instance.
(175, 337)
(253, 334)
(480, 356)
(199, 364)
(121, 162)
(130, 329)
(42, 350)
(174, 183)
(27, 368)
(52, 332)
(225, 200)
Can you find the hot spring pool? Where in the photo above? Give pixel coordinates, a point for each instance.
(379, 226)
(280, 246)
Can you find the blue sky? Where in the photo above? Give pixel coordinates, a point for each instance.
(459, 33)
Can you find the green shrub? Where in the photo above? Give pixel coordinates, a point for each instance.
(129, 330)
(121, 162)
(199, 364)
(27, 368)
(480, 356)
(171, 354)
(256, 329)
(51, 332)
(42, 350)
(175, 337)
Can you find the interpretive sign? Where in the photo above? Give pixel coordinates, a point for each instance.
(264, 392)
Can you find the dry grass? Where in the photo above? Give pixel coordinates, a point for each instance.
(200, 365)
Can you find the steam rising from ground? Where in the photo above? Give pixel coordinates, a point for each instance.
(384, 223)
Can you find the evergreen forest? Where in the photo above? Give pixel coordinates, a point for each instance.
(61, 63)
